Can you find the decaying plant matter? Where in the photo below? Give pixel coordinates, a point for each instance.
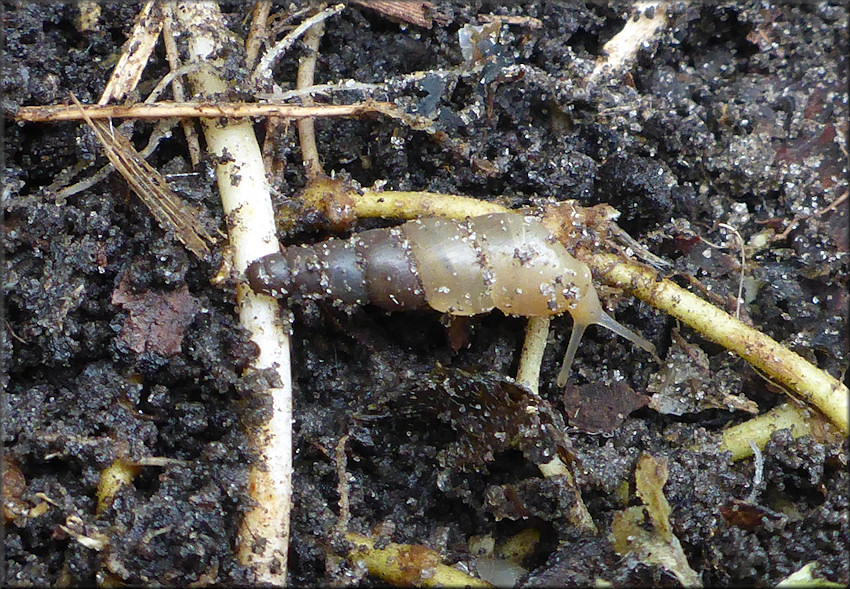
(463, 259)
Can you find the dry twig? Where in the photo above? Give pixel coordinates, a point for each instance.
(306, 126)
(622, 48)
(135, 55)
(416, 12)
(263, 70)
(167, 110)
(258, 33)
(177, 88)
(796, 220)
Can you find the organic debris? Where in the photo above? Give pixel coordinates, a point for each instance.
(599, 407)
(646, 531)
(687, 384)
(156, 320)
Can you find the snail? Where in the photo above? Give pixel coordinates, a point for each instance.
(507, 261)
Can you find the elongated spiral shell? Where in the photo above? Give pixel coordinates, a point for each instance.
(506, 261)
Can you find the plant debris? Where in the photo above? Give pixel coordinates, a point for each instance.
(169, 210)
(687, 384)
(732, 112)
(156, 320)
(599, 407)
(656, 545)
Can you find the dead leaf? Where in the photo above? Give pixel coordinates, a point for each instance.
(686, 383)
(168, 209)
(645, 531)
(156, 320)
(598, 407)
(747, 516)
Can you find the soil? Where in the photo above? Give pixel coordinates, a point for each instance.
(118, 345)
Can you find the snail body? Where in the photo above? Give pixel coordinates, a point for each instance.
(506, 261)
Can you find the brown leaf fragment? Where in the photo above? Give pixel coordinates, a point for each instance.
(14, 485)
(714, 262)
(457, 332)
(156, 320)
(598, 407)
(764, 35)
(650, 477)
(490, 414)
(168, 209)
(415, 12)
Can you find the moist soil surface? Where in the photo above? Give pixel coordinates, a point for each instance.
(118, 345)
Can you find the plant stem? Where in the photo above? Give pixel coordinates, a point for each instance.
(783, 366)
(166, 110)
(264, 535)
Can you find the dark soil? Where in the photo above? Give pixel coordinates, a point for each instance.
(737, 114)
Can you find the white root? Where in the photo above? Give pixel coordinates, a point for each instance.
(622, 48)
(264, 68)
(531, 359)
(264, 535)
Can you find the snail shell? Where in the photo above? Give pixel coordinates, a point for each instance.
(506, 261)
